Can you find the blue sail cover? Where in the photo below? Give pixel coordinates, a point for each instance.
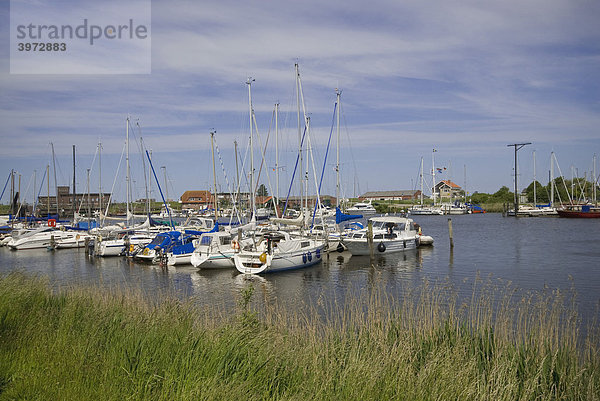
(339, 216)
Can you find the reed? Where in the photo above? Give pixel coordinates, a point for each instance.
(87, 343)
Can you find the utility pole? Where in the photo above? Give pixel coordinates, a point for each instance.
(517, 146)
(74, 201)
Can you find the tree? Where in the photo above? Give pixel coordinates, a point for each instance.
(262, 190)
(503, 195)
(541, 193)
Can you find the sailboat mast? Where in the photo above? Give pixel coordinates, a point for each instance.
(552, 179)
(252, 195)
(55, 182)
(276, 157)
(433, 174)
(99, 176)
(89, 206)
(237, 175)
(594, 181)
(534, 182)
(299, 131)
(34, 187)
(48, 187)
(212, 146)
(337, 162)
(127, 163)
(421, 177)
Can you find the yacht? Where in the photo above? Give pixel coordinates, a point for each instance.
(277, 251)
(390, 234)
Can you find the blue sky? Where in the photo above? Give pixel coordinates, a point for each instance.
(466, 78)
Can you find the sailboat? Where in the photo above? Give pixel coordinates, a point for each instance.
(422, 209)
(583, 211)
(279, 250)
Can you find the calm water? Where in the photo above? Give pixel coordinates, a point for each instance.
(527, 254)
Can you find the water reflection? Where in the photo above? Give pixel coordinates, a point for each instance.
(530, 253)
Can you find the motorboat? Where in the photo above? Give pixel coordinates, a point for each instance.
(43, 237)
(215, 251)
(390, 234)
(362, 208)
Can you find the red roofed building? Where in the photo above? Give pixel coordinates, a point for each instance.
(446, 190)
(196, 199)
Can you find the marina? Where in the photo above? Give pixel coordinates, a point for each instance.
(522, 254)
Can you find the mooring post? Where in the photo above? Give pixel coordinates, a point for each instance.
(87, 245)
(370, 240)
(450, 232)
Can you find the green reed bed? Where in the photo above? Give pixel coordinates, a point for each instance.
(83, 343)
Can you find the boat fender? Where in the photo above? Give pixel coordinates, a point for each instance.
(131, 248)
(340, 248)
(309, 256)
(381, 247)
(318, 253)
(263, 258)
(303, 258)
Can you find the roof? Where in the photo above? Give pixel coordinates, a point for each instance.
(263, 199)
(449, 183)
(374, 194)
(204, 195)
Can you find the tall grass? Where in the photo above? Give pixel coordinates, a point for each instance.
(82, 343)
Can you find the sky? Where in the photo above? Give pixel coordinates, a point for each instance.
(465, 78)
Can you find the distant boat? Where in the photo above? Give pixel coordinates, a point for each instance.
(580, 211)
(362, 208)
(424, 210)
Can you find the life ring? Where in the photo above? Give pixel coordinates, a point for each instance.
(381, 247)
(235, 245)
(263, 258)
(51, 222)
(77, 237)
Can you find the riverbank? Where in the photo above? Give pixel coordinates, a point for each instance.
(84, 343)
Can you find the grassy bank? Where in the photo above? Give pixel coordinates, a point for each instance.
(81, 344)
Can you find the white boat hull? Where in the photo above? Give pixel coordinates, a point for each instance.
(42, 240)
(182, 259)
(251, 263)
(361, 247)
(214, 261)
